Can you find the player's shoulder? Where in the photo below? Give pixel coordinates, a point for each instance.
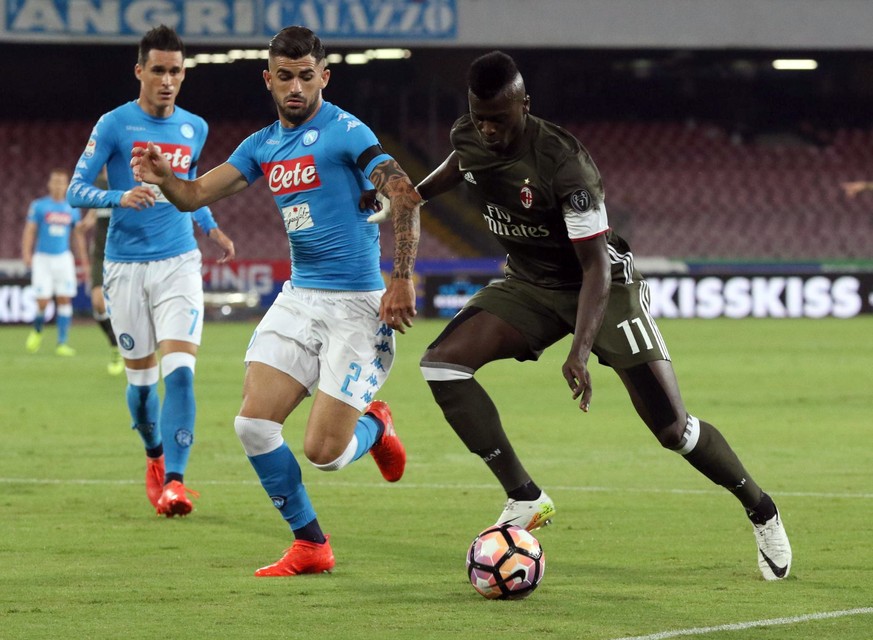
(122, 112)
(270, 135)
(553, 139)
(462, 127)
(337, 118)
(182, 113)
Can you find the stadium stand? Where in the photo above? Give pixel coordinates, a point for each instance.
(678, 190)
(250, 217)
(692, 191)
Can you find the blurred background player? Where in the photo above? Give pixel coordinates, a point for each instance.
(152, 277)
(566, 273)
(97, 220)
(51, 226)
(330, 331)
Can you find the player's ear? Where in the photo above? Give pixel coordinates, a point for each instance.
(268, 79)
(525, 104)
(137, 71)
(325, 78)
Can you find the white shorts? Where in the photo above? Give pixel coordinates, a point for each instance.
(330, 340)
(154, 301)
(53, 275)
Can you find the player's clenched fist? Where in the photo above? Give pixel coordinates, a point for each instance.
(138, 198)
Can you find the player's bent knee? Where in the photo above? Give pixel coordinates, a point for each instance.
(682, 437)
(444, 371)
(326, 461)
(258, 436)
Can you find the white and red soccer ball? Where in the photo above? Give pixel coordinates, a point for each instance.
(505, 562)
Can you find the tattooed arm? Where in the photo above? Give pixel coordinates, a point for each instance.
(398, 303)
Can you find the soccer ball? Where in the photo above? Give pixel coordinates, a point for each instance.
(505, 562)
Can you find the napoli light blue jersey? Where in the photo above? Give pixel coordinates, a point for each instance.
(54, 222)
(156, 232)
(316, 173)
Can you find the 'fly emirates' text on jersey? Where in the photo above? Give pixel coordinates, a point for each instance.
(153, 233)
(316, 173)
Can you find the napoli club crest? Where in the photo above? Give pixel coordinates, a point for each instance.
(526, 196)
(310, 137)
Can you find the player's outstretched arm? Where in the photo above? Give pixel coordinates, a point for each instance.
(444, 178)
(80, 248)
(150, 165)
(28, 237)
(224, 243)
(398, 303)
(593, 297)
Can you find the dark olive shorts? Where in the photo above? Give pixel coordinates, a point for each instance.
(627, 337)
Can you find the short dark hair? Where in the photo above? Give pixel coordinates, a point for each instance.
(297, 42)
(490, 74)
(162, 38)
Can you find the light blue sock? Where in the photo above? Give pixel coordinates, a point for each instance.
(368, 431)
(281, 478)
(144, 406)
(177, 419)
(39, 321)
(64, 322)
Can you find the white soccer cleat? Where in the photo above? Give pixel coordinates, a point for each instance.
(774, 550)
(528, 514)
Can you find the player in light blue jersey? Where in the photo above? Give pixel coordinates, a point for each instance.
(331, 330)
(51, 226)
(152, 277)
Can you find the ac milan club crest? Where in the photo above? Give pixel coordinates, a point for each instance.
(526, 196)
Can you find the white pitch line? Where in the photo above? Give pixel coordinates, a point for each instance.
(439, 485)
(739, 626)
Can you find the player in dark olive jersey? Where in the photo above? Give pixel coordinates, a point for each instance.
(566, 273)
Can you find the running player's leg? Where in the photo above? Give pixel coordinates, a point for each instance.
(631, 342)
(65, 319)
(64, 273)
(356, 356)
(472, 339)
(655, 395)
(124, 283)
(269, 396)
(43, 289)
(174, 288)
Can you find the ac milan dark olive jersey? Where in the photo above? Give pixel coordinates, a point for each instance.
(538, 201)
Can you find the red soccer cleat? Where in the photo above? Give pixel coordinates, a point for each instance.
(174, 502)
(301, 557)
(388, 452)
(154, 479)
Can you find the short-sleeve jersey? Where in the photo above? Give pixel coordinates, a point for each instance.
(536, 202)
(316, 172)
(54, 222)
(153, 233)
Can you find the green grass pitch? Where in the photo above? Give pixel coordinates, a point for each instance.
(642, 545)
